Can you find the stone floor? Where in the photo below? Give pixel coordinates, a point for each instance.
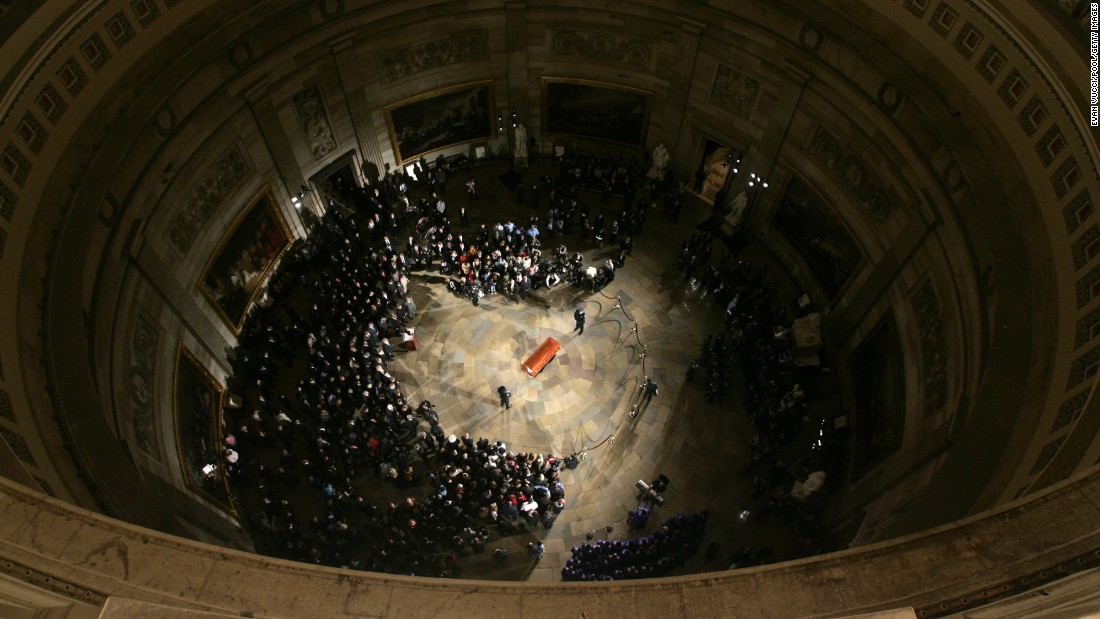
(581, 400)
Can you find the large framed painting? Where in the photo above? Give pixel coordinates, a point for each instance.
(446, 117)
(249, 250)
(595, 110)
(816, 232)
(197, 408)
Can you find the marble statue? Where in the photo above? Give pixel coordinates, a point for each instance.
(660, 162)
(520, 153)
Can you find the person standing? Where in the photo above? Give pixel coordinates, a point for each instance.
(471, 189)
(463, 217)
(649, 389)
(441, 179)
(474, 292)
(505, 396)
(580, 317)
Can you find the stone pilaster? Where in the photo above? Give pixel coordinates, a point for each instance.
(684, 76)
(159, 275)
(278, 146)
(355, 97)
(516, 15)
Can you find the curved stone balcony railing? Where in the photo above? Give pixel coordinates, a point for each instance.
(993, 556)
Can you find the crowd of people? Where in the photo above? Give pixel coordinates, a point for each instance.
(650, 556)
(757, 338)
(308, 458)
(605, 175)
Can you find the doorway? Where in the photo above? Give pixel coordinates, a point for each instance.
(338, 180)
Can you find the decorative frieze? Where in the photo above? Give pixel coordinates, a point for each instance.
(853, 173)
(216, 183)
(143, 349)
(314, 122)
(455, 49)
(933, 344)
(602, 47)
(733, 91)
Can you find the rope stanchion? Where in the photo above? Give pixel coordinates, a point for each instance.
(633, 411)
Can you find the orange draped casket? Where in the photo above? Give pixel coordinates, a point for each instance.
(542, 355)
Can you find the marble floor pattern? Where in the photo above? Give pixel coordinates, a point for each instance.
(580, 402)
